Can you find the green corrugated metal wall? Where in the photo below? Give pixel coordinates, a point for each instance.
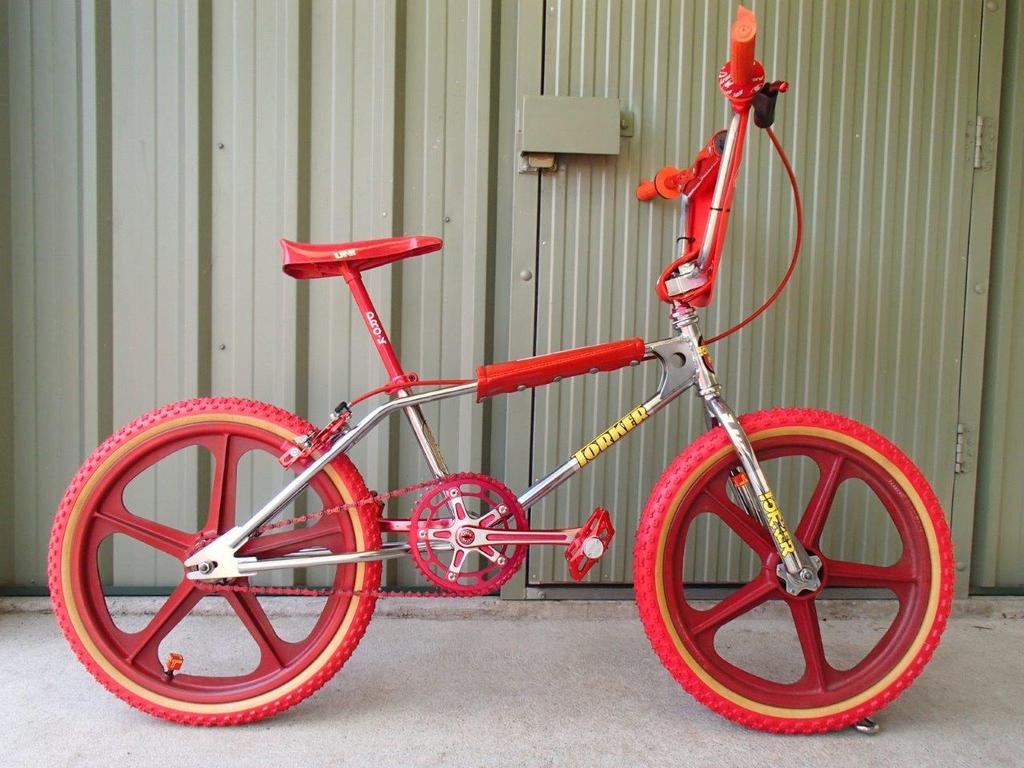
(157, 150)
(999, 523)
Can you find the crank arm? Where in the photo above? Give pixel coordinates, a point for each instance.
(470, 536)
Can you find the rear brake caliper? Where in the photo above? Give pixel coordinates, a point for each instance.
(319, 440)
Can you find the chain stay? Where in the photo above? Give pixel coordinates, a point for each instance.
(375, 500)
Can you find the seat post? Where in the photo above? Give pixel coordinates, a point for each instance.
(373, 322)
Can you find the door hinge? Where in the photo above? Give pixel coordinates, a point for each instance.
(982, 140)
(958, 455)
(979, 141)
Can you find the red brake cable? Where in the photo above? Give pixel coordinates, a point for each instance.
(796, 246)
(396, 385)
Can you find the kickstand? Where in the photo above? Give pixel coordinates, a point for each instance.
(867, 726)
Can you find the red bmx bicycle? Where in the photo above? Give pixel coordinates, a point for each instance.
(469, 533)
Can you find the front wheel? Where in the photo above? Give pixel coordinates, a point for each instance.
(855, 480)
(136, 511)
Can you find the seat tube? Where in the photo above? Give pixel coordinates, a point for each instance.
(381, 342)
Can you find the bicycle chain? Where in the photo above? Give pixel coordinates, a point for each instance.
(374, 499)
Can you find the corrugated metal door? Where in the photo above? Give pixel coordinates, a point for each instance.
(882, 96)
(999, 525)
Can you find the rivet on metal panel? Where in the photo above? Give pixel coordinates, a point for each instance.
(526, 275)
(961, 565)
(222, 347)
(220, 145)
(447, 219)
(992, 6)
(626, 124)
(979, 288)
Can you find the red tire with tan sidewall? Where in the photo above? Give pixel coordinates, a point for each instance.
(824, 698)
(127, 663)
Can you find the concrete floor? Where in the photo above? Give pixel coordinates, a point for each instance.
(493, 684)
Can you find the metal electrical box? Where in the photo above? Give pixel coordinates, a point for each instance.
(570, 125)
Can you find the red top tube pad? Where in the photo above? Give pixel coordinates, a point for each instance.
(536, 371)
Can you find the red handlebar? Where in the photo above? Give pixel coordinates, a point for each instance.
(646, 191)
(667, 184)
(740, 79)
(744, 33)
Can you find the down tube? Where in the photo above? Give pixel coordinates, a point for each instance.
(581, 458)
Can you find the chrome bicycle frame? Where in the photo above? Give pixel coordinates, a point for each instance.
(684, 363)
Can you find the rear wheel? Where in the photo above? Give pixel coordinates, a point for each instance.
(822, 694)
(246, 662)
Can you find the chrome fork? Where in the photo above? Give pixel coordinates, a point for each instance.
(798, 570)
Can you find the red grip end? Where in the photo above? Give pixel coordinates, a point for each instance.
(744, 34)
(666, 182)
(646, 191)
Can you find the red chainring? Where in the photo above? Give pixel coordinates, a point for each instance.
(446, 528)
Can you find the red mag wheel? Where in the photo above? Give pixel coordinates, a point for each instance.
(237, 667)
(830, 686)
(447, 527)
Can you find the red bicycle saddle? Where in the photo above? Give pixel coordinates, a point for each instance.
(306, 260)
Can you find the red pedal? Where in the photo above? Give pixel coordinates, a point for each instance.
(589, 544)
